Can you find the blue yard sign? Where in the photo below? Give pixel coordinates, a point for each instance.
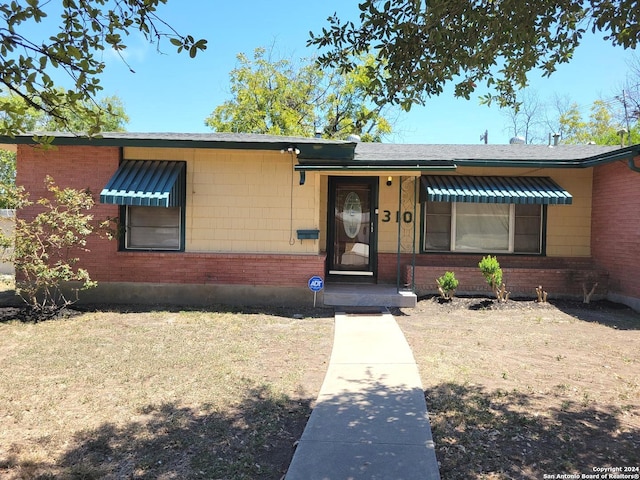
(316, 284)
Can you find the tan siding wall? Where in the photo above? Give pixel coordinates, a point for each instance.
(568, 226)
(397, 214)
(323, 180)
(388, 231)
(240, 201)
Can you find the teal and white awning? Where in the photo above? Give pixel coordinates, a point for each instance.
(146, 183)
(471, 189)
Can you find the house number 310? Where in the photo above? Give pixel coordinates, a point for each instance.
(407, 217)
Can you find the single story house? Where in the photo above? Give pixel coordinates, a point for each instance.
(250, 219)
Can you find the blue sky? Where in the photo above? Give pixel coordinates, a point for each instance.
(172, 93)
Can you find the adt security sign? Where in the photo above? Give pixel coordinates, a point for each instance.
(316, 284)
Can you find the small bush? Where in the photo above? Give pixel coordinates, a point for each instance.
(447, 285)
(46, 248)
(492, 273)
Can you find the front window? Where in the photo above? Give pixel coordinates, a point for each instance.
(153, 228)
(482, 227)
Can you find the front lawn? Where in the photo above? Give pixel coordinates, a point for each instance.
(517, 390)
(157, 394)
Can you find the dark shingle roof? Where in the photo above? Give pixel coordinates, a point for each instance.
(163, 137)
(317, 152)
(427, 152)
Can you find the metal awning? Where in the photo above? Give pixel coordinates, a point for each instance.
(522, 190)
(147, 183)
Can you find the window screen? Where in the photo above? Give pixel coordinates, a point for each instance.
(156, 228)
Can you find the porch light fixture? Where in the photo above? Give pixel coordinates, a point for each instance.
(389, 181)
(291, 149)
(303, 177)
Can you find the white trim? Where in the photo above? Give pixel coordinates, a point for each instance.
(350, 272)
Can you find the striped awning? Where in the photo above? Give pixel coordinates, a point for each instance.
(523, 190)
(146, 183)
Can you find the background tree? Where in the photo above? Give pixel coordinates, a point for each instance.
(7, 168)
(573, 128)
(554, 109)
(421, 46)
(7, 176)
(600, 128)
(109, 110)
(537, 121)
(525, 119)
(630, 96)
(280, 97)
(86, 29)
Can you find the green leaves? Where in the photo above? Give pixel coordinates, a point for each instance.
(491, 271)
(73, 113)
(422, 46)
(447, 285)
(189, 44)
(600, 128)
(86, 28)
(281, 97)
(46, 247)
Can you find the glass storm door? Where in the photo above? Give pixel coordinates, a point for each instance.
(351, 242)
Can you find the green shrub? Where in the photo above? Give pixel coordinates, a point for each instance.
(45, 249)
(447, 285)
(492, 273)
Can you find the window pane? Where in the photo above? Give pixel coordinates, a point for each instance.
(528, 229)
(482, 227)
(439, 207)
(153, 227)
(527, 225)
(437, 226)
(528, 210)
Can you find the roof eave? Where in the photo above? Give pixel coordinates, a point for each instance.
(308, 148)
(472, 162)
(627, 153)
(400, 166)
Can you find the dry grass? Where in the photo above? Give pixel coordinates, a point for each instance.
(157, 394)
(530, 389)
(514, 393)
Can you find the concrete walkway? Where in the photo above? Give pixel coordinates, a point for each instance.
(370, 420)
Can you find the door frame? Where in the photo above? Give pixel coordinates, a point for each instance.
(371, 274)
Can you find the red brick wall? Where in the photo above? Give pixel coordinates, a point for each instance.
(91, 167)
(615, 226)
(560, 277)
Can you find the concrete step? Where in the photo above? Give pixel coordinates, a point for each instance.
(365, 295)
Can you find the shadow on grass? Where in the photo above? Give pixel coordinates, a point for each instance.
(604, 312)
(20, 312)
(253, 441)
(496, 434)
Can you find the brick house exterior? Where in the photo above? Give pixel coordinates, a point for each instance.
(258, 212)
(235, 274)
(615, 227)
